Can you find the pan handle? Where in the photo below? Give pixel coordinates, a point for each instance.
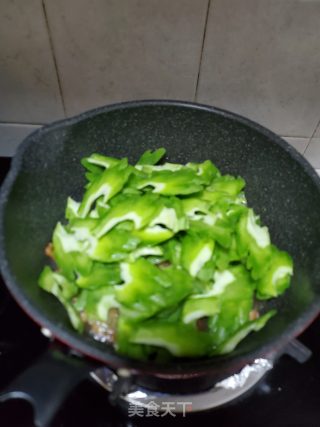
(47, 382)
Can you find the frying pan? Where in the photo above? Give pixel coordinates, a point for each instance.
(281, 186)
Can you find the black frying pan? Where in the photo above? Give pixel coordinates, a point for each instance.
(281, 187)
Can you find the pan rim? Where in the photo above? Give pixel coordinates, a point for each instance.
(75, 341)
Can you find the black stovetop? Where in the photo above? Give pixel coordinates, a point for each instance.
(289, 395)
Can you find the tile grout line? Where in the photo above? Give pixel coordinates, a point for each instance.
(54, 56)
(311, 137)
(294, 137)
(202, 49)
(21, 123)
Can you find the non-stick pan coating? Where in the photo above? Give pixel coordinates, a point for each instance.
(281, 187)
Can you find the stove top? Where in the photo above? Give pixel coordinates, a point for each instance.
(288, 395)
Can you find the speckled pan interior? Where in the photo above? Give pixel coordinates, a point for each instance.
(281, 186)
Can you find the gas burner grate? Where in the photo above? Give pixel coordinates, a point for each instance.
(139, 398)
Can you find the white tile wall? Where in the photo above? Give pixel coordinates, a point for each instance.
(300, 144)
(29, 90)
(118, 50)
(262, 59)
(11, 135)
(312, 152)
